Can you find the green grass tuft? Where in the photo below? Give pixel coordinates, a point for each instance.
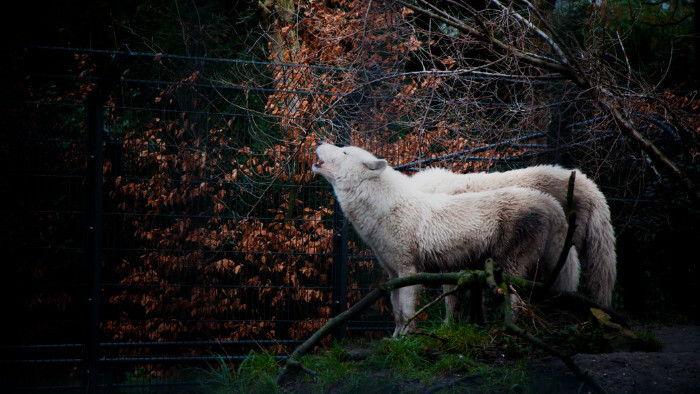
(256, 373)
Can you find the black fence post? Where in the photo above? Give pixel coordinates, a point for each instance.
(94, 230)
(95, 161)
(340, 266)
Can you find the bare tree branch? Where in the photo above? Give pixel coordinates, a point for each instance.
(601, 96)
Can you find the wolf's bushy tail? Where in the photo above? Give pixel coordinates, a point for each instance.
(600, 256)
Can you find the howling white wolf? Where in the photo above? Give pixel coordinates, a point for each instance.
(594, 237)
(411, 231)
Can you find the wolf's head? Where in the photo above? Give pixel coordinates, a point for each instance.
(348, 163)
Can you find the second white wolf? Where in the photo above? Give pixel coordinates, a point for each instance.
(594, 236)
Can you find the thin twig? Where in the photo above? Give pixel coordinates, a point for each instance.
(444, 386)
(429, 305)
(627, 60)
(561, 57)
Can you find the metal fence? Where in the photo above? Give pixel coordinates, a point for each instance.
(158, 219)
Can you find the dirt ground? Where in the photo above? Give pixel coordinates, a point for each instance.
(675, 369)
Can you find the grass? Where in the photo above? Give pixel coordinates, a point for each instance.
(256, 373)
(441, 353)
(481, 359)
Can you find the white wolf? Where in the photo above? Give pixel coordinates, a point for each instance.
(411, 231)
(594, 237)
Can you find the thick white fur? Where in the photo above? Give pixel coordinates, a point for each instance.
(594, 236)
(412, 231)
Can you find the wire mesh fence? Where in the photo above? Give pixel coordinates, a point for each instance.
(213, 236)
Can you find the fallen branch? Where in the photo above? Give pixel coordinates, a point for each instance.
(487, 276)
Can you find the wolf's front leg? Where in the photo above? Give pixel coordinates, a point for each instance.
(398, 314)
(452, 304)
(408, 302)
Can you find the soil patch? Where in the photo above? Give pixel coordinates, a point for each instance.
(675, 369)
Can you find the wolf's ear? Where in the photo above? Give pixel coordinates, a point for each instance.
(376, 165)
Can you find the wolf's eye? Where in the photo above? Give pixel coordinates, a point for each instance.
(345, 153)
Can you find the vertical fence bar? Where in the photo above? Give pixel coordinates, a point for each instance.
(340, 266)
(93, 184)
(95, 160)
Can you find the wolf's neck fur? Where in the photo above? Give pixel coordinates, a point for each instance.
(361, 199)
